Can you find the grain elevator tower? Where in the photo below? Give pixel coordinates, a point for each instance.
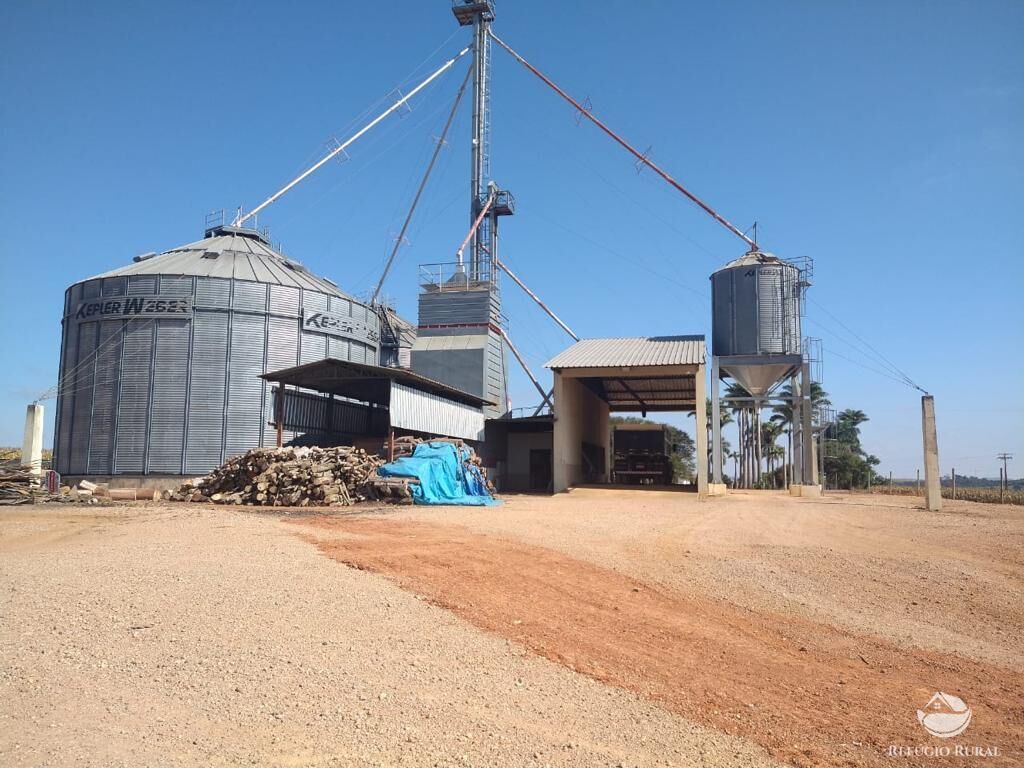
(459, 337)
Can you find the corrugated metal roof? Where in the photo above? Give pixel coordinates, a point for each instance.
(649, 350)
(234, 253)
(364, 382)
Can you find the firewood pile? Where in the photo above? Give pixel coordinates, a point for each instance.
(297, 477)
(19, 486)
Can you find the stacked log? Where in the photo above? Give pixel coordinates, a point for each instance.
(18, 485)
(296, 477)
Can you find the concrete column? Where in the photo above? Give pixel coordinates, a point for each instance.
(32, 444)
(932, 486)
(701, 414)
(563, 440)
(716, 425)
(809, 482)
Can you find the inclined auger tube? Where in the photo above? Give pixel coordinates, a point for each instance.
(242, 218)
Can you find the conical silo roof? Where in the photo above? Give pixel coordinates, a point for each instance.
(233, 253)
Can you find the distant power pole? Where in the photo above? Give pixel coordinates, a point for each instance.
(1005, 457)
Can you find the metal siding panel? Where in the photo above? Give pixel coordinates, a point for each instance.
(314, 347)
(433, 414)
(66, 399)
(306, 412)
(314, 302)
(133, 403)
(340, 306)
(141, 285)
(744, 298)
(206, 394)
(82, 385)
(282, 352)
(284, 300)
(104, 407)
(453, 307)
(350, 418)
(115, 286)
(177, 285)
(213, 292)
(91, 289)
(250, 296)
(170, 390)
(339, 349)
(245, 388)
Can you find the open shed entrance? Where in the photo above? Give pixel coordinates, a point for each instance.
(597, 377)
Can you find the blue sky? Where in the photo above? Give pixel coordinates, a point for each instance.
(881, 139)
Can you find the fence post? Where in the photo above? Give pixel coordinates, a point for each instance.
(954, 483)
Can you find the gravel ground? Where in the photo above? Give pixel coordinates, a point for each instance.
(949, 581)
(175, 635)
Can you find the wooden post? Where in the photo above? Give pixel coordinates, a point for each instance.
(391, 445)
(954, 483)
(279, 415)
(919, 482)
(1000, 485)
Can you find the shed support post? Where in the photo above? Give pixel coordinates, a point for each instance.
(391, 444)
(717, 486)
(701, 414)
(932, 487)
(279, 415)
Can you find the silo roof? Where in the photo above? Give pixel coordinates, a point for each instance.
(751, 258)
(230, 252)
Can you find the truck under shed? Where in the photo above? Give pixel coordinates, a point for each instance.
(359, 401)
(597, 377)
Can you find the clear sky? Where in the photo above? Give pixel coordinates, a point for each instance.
(885, 140)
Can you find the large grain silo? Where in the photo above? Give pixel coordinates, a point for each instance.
(160, 359)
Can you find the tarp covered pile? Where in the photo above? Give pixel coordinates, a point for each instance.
(447, 474)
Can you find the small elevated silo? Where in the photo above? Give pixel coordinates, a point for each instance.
(160, 359)
(756, 305)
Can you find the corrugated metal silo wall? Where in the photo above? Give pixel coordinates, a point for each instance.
(756, 310)
(179, 395)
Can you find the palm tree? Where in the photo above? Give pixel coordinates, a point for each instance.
(726, 418)
(848, 426)
(782, 414)
(770, 432)
(741, 409)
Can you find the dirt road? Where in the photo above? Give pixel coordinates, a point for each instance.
(188, 636)
(595, 628)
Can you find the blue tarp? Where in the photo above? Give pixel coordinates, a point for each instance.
(444, 476)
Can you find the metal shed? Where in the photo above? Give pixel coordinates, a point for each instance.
(596, 377)
(393, 398)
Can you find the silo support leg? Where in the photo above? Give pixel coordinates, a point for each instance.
(810, 468)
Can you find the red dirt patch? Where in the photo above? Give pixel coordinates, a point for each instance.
(810, 693)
